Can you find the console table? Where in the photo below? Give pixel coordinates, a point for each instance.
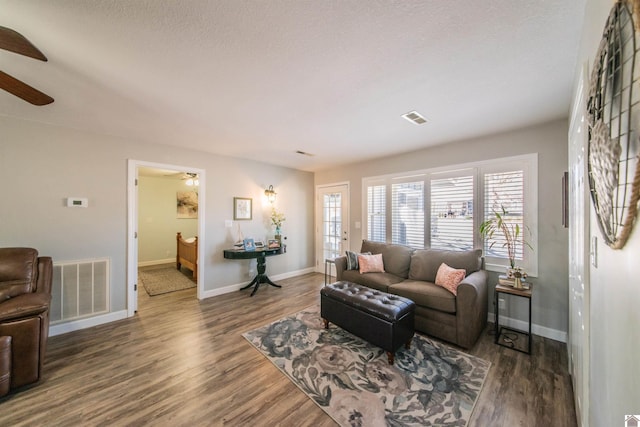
(260, 255)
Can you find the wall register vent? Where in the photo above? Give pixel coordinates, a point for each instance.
(80, 289)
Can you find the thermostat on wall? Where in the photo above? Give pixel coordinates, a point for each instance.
(77, 202)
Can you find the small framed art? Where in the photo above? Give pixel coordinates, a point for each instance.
(274, 244)
(242, 208)
(249, 245)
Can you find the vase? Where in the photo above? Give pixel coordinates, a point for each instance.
(517, 284)
(278, 236)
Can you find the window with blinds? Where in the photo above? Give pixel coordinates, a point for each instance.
(376, 213)
(452, 213)
(504, 193)
(407, 214)
(443, 208)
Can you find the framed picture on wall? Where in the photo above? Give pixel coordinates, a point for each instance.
(242, 208)
(187, 204)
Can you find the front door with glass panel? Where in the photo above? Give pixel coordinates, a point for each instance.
(332, 234)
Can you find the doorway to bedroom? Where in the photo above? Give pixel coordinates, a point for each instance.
(164, 200)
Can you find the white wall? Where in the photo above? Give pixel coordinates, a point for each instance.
(615, 290)
(41, 165)
(157, 218)
(549, 140)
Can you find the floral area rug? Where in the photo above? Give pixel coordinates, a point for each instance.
(430, 384)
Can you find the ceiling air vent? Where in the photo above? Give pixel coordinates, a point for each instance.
(415, 117)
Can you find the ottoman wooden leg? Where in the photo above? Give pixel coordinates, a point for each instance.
(391, 357)
(408, 344)
(326, 323)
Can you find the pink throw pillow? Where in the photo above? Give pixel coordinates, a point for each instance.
(370, 263)
(449, 278)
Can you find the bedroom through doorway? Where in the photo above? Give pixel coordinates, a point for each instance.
(164, 200)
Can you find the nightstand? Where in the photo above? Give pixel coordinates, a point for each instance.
(499, 330)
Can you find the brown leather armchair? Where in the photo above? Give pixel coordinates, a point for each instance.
(25, 296)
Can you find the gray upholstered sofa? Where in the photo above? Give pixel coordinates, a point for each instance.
(411, 273)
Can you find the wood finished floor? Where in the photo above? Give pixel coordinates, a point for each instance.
(183, 362)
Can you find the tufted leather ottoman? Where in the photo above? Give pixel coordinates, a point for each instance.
(384, 320)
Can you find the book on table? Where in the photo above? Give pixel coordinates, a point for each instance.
(504, 280)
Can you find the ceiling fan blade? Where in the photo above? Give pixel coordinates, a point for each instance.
(15, 42)
(23, 90)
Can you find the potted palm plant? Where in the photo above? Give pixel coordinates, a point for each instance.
(512, 237)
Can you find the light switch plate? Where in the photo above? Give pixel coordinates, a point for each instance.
(228, 223)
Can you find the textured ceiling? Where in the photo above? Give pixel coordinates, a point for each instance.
(262, 79)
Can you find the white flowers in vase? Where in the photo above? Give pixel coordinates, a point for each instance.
(277, 218)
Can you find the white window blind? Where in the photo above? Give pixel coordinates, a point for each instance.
(376, 213)
(443, 208)
(407, 214)
(452, 213)
(504, 191)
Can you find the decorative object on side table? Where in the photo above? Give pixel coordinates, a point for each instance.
(510, 281)
(273, 244)
(500, 227)
(277, 218)
(249, 245)
(240, 238)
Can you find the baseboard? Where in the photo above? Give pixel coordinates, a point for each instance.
(293, 273)
(536, 329)
(232, 288)
(88, 322)
(156, 262)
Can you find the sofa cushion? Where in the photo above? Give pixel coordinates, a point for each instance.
(425, 294)
(396, 258)
(352, 260)
(449, 278)
(379, 281)
(371, 263)
(425, 262)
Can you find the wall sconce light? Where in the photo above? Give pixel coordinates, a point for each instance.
(271, 195)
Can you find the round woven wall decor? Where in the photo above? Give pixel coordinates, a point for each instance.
(613, 116)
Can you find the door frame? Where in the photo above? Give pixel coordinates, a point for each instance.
(577, 141)
(132, 227)
(318, 222)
